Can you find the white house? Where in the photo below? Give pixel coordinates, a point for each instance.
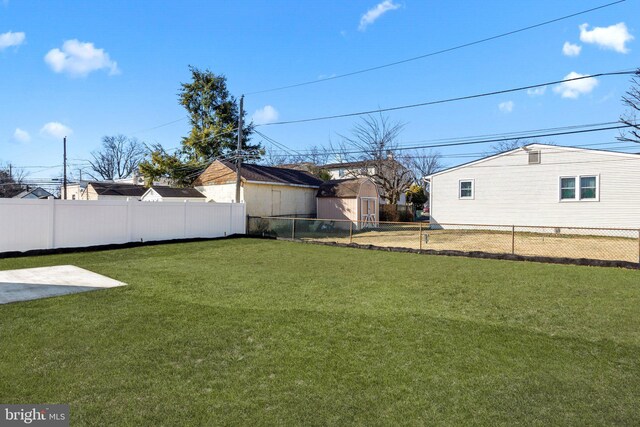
(267, 191)
(542, 185)
(172, 194)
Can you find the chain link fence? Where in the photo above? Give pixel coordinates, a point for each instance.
(606, 244)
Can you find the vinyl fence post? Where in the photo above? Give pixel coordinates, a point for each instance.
(351, 232)
(513, 240)
(420, 236)
(52, 223)
(293, 228)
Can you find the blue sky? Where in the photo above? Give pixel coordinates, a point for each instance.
(98, 68)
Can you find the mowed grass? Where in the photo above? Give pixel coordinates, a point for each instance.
(256, 332)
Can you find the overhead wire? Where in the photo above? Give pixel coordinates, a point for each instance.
(438, 52)
(447, 100)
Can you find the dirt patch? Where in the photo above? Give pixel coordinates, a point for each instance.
(527, 244)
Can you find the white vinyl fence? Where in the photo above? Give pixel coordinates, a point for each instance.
(50, 224)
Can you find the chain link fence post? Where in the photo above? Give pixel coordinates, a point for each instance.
(351, 232)
(420, 236)
(293, 228)
(513, 240)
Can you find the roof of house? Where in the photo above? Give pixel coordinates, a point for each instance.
(256, 173)
(168, 192)
(530, 146)
(38, 192)
(341, 188)
(117, 189)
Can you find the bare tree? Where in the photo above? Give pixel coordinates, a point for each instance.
(425, 163)
(632, 101)
(373, 142)
(118, 158)
(504, 146)
(11, 181)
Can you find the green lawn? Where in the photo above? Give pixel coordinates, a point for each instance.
(244, 332)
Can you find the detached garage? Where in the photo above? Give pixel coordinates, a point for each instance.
(355, 200)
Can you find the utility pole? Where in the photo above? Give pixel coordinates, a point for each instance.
(239, 157)
(10, 172)
(64, 167)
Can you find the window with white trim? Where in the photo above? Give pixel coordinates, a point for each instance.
(465, 189)
(581, 187)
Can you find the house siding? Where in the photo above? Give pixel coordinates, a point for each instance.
(508, 190)
(259, 198)
(293, 200)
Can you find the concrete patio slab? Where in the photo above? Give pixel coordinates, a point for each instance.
(43, 282)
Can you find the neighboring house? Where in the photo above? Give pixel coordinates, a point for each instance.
(267, 191)
(75, 190)
(35, 193)
(541, 184)
(390, 169)
(172, 194)
(138, 179)
(104, 190)
(356, 200)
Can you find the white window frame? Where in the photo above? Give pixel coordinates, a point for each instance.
(578, 197)
(473, 189)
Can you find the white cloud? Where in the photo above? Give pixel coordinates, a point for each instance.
(9, 39)
(376, 12)
(264, 115)
(506, 107)
(55, 130)
(537, 91)
(613, 37)
(21, 135)
(575, 88)
(569, 49)
(78, 59)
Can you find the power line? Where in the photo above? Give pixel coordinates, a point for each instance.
(462, 46)
(481, 141)
(524, 134)
(448, 100)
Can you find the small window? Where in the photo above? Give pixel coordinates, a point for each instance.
(466, 189)
(567, 188)
(534, 157)
(588, 187)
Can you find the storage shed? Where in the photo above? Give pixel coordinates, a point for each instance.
(172, 194)
(355, 199)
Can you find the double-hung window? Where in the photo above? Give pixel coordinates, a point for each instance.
(465, 190)
(582, 187)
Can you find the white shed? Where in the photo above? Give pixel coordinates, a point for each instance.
(172, 194)
(541, 185)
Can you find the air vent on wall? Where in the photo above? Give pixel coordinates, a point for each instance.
(534, 157)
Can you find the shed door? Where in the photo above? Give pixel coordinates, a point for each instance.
(368, 211)
(275, 202)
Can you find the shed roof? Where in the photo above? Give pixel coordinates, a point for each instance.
(257, 173)
(178, 192)
(117, 189)
(342, 188)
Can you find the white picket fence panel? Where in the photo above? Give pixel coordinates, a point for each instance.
(51, 224)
